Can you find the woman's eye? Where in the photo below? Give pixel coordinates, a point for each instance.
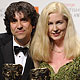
(50, 23)
(59, 22)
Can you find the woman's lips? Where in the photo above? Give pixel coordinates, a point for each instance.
(56, 33)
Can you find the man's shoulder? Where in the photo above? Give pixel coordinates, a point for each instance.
(4, 35)
(4, 38)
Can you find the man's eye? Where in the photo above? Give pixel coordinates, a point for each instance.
(50, 23)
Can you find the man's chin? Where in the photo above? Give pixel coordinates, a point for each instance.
(19, 37)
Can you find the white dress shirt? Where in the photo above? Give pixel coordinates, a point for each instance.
(20, 58)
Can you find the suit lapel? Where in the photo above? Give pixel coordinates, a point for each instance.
(29, 65)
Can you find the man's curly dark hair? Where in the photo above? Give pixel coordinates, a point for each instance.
(26, 8)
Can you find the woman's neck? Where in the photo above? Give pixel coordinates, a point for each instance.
(58, 46)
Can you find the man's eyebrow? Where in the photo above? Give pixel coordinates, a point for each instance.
(25, 19)
(13, 19)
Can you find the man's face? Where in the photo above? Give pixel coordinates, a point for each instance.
(21, 27)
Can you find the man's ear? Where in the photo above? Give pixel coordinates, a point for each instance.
(33, 27)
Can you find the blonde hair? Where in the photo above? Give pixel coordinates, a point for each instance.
(40, 46)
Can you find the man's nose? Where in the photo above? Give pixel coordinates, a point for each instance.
(19, 25)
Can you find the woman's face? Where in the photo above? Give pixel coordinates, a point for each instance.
(57, 26)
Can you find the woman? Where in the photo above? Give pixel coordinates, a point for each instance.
(55, 44)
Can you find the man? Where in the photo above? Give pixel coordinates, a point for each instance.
(20, 20)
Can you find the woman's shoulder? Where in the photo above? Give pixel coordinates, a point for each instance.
(43, 64)
(46, 65)
(76, 60)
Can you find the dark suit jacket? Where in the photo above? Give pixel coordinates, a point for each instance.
(7, 56)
